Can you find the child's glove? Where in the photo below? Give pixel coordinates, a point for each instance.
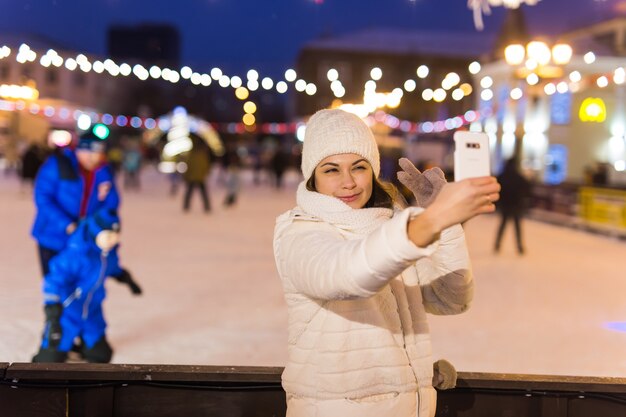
(53, 324)
(444, 375)
(424, 187)
(126, 278)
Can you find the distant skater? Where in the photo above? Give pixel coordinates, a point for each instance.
(513, 196)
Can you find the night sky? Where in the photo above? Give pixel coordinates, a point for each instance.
(266, 35)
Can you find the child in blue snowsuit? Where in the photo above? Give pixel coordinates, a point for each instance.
(74, 291)
(73, 184)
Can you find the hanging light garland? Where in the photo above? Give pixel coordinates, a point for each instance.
(451, 86)
(81, 63)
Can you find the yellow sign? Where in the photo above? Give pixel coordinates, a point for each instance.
(603, 207)
(592, 110)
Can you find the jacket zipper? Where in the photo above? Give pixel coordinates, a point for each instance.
(103, 265)
(77, 292)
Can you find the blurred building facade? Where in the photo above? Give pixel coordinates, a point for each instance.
(567, 124)
(398, 54)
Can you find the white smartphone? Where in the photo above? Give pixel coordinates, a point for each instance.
(471, 155)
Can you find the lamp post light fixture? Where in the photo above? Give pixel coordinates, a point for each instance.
(538, 58)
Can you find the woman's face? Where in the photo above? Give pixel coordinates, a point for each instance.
(347, 177)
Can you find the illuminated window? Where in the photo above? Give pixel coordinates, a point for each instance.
(561, 108)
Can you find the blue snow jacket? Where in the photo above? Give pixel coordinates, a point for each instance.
(76, 280)
(58, 193)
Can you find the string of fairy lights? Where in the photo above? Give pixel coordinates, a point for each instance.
(372, 99)
(51, 58)
(450, 87)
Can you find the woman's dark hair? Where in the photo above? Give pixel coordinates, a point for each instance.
(384, 194)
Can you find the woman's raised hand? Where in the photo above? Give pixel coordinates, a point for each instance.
(456, 202)
(462, 200)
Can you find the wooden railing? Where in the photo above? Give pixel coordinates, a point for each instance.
(93, 390)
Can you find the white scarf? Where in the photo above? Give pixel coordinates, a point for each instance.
(334, 211)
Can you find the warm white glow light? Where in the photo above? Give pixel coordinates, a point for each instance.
(155, 72)
(224, 81)
(516, 93)
(174, 76)
(439, 95)
(370, 85)
(486, 95)
(236, 82)
(602, 81)
(467, 88)
(575, 76)
(549, 89)
(300, 85)
(410, 85)
(538, 51)
(458, 94)
(70, 64)
(281, 87)
(267, 83)
(98, 67)
(453, 78)
(205, 79)
(83, 122)
(339, 92)
(253, 85)
(619, 76)
(376, 73)
(486, 82)
(186, 72)
(249, 107)
(290, 75)
(531, 64)
(514, 54)
(125, 69)
(216, 74)
(422, 71)
(532, 79)
(242, 93)
(561, 53)
(335, 85)
(474, 67)
(589, 58)
(332, 74)
(310, 89)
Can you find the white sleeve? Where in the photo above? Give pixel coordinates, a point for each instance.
(315, 260)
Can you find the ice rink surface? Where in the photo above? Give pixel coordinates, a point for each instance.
(212, 295)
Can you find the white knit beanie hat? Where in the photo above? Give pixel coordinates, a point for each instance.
(333, 132)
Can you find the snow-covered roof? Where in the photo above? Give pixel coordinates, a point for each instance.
(402, 41)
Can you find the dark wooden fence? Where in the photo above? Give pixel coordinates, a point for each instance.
(91, 390)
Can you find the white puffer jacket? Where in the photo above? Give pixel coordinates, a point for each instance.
(357, 291)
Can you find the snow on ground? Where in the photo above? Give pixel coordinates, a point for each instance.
(212, 295)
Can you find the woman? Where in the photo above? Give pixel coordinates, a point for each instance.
(359, 275)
